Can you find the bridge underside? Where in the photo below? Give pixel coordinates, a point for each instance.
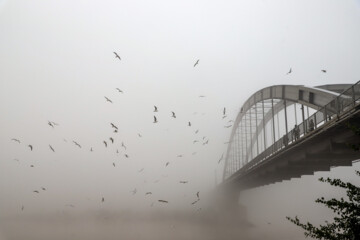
(325, 148)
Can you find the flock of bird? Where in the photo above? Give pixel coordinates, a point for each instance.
(112, 140)
(115, 130)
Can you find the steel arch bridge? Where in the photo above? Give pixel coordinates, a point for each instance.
(277, 119)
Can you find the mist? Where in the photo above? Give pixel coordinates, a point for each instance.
(57, 66)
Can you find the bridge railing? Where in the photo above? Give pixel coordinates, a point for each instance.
(346, 101)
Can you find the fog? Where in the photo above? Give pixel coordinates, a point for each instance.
(57, 65)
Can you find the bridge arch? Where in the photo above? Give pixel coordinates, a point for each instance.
(250, 123)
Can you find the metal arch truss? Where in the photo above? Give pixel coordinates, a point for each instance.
(260, 109)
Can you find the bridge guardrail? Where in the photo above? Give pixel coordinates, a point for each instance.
(347, 100)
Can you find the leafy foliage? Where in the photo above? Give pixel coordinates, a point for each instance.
(346, 224)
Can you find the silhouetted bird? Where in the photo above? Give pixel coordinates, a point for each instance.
(31, 165)
(52, 149)
(324, 71)
(134, 191)
(194, 202)
(224, 116)
(173, 115)
(44, 189)
(113, 126)
(197, 62)
(141, 170)
(22, 208)
(105, 143)
(113, 164)
(195, 141)
(112, 140)
(36, 191)
(179, 155)
(119, 90)
(123, 145)
(103, 199)
(163, 201)
(227, 126)
(155, 120)
(196, 131)
(289, 71)
(117, 56)
(16, 140)
(31, 147)
(206, 142)
(127, 156)
(224, 111)
(77, 144)
(148, 193)
(155, 109)
(189, 124)
(139, 135)
(202, 96)
(50, 124)
(167, 164)
(222, 155)
(107, 99)
(198, 194)
(91, 149)
(183, 182)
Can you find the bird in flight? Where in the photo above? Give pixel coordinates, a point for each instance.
(134, 191)
(155, 120)
(206, 142)
(36, 191)
(183, 182)
(44, 189)
(22, 208)
(227, 126)
(195, 141)
(77, 144)
(31, 165)
(141, 170)
(50, 124)
(113, 126)
(117, 56)
(163, 201)
(224, 116)
(91, 149)
(202, 96)
(167, 164)
(289, 71)
(194, 202)
(148, 193)
(155, 109)
(52, 149)
(139, 135)
(103, 199)
(173, 115)
(120, 91)
(224, 111)
(197, 62)
(222, 155)
(31, 147)
(123, 145)
(127, 156)
(112, 140)
(196, 131)
(107, 99)
(105, 143)
(113, 164)
(189, 124)
(198, 195)
(324, 71)
(16, 140)
(179, 155)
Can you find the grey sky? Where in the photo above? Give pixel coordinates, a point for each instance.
(57, 64)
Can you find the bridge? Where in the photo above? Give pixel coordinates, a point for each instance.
(286, 131)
